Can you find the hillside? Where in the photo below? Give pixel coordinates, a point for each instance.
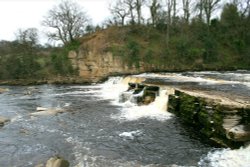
(136, 49)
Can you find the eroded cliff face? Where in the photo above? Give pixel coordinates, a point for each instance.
(94, 67)
(95, 63)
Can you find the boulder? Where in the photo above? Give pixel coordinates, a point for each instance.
(57, 162)
(3, 121)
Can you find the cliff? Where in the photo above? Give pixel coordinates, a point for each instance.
(94, 67)
(95, 62)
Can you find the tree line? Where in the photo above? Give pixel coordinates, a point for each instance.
(201, 34)
(25, 58)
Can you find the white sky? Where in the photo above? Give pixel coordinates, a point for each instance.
(15, 14)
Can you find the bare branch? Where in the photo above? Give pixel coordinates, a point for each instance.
(68, 21)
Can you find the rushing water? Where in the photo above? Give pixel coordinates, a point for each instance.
(98, 130)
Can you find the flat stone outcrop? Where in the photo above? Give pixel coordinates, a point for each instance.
(219, 118)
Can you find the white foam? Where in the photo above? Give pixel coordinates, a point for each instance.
(130, 111)
(138, 112)
(131, 135)
(227, 158)
(67, 104)
(112, 89)
(156, 110)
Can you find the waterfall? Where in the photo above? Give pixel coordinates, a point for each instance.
(161, 101)
(112, 88)
(131, 109)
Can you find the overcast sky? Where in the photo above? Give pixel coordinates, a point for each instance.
(15, 14)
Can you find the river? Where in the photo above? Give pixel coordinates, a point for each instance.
(97, 129)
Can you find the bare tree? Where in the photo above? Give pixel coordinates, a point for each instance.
(186, 9)
(174, 4)
(209, 7)
(128, 8)
(169, 18)
(199, 7)
(243, 6)
(119, 11)
(27, 37)
(68, 21)
(108, 22)
(154, 7)
(131, 6)
(138, 6)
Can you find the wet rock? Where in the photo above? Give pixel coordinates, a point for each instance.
(131, 86)
(239, 133)
(57, 162)
(150, 93)
(148, 99)
(231, 121)
(213, 119)
(3, 121)
(153, 89)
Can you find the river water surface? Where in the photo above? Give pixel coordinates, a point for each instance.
(98, 130)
